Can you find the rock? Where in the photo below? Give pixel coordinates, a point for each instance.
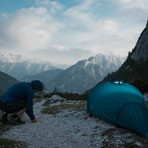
(141, 49)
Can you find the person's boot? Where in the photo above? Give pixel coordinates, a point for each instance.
(4, 118)
(14, 118)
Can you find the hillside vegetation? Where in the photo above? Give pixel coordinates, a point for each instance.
(5, 82)
(134, 72)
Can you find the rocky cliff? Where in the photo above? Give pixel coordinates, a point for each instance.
(141, 49)
(135, 69)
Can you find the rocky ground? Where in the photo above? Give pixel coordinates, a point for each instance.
(65, 124)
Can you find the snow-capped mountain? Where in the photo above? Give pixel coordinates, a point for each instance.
(11, 58)
(15, 58)
(85, 74)
(19, 66)
(19, 70)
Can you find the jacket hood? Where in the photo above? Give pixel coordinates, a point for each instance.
(36, 84)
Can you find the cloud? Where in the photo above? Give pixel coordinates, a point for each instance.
(28, 29)
(61, 34)
(82, 12)
(53, 6)
(96, 34)
(68, 57)
(133, 4)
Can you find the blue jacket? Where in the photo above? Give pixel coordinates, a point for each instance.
(22, 90)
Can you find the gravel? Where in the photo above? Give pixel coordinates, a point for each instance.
(68, 129)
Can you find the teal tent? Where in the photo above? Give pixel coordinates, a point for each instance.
(120, 103)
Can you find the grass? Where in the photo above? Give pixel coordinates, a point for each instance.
(58, 108)
(48, 102)
(37, 100)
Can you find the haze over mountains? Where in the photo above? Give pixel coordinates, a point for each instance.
(79, 77)
(85, 74)
(19, 66)
(76, 79)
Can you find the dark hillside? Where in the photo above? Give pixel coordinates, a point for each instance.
(5, 82)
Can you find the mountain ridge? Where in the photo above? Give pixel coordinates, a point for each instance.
(85, 74)
(18, 66)
(139, 51)
(80, 76)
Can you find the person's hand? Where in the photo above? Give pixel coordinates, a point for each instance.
(34, 120)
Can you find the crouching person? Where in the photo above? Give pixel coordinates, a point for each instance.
(19, 99)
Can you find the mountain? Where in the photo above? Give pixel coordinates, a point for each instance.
(45, 77)
(5, 82)
(141, 49)
(18, 66)
(135, 69)
(85, 74)
(11, 58)
(76, 79)
(19, 70)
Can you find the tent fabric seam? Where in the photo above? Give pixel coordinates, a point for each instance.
(123, 106)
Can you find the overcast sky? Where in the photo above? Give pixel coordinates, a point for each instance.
(66, 31)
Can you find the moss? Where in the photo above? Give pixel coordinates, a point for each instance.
(59, 108)
(67, 95)
(6, 143)
(129, 139)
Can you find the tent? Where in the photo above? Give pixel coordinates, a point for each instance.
(120, 103)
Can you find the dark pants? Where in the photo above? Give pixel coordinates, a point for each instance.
(12, 108)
